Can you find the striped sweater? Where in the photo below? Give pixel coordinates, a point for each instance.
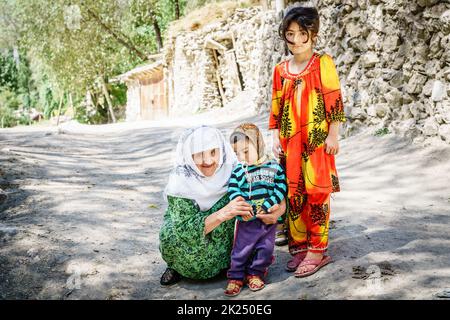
(262, 185)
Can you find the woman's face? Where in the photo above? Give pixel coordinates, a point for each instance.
(207, 161)
(298, 36)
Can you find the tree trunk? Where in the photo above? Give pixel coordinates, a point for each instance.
(108, 100)
(280, 5)
(59, 108)
(122, 39)
(72, 106)
(177, 9)
(155, 24)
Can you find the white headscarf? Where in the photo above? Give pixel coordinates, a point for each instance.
(187, 181)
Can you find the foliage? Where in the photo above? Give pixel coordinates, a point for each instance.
(53, 48)
(381, 132)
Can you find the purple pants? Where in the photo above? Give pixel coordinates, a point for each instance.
(252, 252)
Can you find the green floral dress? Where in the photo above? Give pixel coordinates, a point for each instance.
(183, 245)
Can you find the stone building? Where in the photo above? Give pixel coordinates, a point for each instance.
(393, 60)
(209, 67)
(146, 92)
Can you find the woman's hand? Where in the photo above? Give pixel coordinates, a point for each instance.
(236, 207)
(274, 213)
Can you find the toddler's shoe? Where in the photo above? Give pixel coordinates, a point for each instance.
(255, 283)
(234, 287)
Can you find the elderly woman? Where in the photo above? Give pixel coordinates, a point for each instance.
(196, 237)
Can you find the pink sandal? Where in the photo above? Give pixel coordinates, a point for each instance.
(312, 262)
(295, 261)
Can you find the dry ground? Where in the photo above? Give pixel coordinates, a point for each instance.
(84, 209)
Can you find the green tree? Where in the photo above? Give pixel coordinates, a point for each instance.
(71, 47)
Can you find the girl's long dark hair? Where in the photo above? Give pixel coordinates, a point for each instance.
(307, 19)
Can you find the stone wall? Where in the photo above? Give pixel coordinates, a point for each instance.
(191, 68)
(392, 57)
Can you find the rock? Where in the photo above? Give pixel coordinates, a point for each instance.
(421, 53)
(447, 74)
(372, 40)
(419, 140)
(444, 110)
(427, 3)
(355, 72)
(394, 97)
(407, 98)
(365, 98)
(428, 87)
(378, 110)
(430, 127)
(435, 43)
(353, 127)
(445, 20)
(406, 127)
(347, 58)
(399, 60)
(432, 67)
(405, 112)
(370, 59)
(415, 84)
(357, 113)
(397, 79)
(439, 91)
(391, 43)
(444, 132)
(359, 45)
(417, 109)
(375, 17)
(353, 29)
(439, 118)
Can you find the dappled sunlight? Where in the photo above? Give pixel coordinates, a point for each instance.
(92, 205)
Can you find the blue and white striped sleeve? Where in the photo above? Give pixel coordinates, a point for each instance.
(279, 191)
(236, 182)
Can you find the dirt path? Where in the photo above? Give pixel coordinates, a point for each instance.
(83, 213)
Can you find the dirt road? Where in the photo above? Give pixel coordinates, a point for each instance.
(83, 212)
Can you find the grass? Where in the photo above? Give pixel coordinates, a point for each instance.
(212, 12)
(381, 132)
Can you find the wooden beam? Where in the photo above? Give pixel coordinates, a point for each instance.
(212, 44)
(219, 79)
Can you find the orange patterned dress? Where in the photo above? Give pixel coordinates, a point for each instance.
(303, 106)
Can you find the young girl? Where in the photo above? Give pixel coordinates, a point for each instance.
(305, 115)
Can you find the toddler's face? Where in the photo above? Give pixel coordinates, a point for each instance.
(246, 151)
